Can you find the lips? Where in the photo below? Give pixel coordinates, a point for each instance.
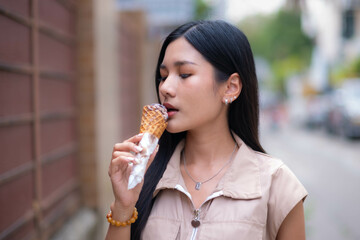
(171, 109)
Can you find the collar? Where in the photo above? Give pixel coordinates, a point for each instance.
(241, 181)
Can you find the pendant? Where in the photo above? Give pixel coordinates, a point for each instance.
(195, 223)
(198, 185)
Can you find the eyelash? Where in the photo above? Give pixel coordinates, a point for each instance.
(183, 76)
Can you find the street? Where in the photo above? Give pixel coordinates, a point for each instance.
(329, 168)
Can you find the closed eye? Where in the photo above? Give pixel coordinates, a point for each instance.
(185, 75)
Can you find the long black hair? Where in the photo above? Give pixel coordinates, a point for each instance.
(228, 51)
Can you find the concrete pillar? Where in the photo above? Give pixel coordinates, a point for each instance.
(107, 101)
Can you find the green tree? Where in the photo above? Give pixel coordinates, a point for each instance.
(279, 39)
(344, 71)
(202, 10)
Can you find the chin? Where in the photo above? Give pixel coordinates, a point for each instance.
(173, 129)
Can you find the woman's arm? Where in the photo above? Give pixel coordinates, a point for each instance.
(293, 226)
(121, 215)
(125, 200)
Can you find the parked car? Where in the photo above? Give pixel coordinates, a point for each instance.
(343, 116)
(317, 108)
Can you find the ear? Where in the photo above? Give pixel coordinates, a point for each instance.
(232, 89)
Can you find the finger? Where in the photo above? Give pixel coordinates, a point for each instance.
(123, 160)
(127, 147)
(135, 139)
(120, 163)
(116, 159)
(116, 154)
(121, 153)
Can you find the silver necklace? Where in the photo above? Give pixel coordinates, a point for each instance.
(198, 183)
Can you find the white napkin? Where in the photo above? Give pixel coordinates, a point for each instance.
(148, 143)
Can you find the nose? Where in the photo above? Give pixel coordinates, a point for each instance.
(167, 88)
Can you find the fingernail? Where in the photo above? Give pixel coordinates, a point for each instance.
(157, 148)
(140, 134)
(138, 148)
(130, 158)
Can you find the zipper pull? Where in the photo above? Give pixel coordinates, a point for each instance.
(196, 221)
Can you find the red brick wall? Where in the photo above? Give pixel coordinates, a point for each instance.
(39, 171)
(85, 99)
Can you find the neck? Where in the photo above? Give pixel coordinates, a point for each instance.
(207, 147)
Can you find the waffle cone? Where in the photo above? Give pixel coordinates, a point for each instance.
(154, 120)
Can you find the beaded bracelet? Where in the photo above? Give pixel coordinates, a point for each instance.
(122, 224)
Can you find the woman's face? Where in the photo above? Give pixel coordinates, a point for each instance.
(188, 88)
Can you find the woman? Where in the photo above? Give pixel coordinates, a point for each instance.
(210, 178)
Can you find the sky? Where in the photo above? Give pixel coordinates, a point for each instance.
(239, 9)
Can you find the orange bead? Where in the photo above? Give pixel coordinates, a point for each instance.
(118, 223)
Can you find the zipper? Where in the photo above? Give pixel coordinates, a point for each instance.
(197, 211)
(193, 235)
(197, 221)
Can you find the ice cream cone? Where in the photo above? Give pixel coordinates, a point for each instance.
(153, 124)
(154, 120)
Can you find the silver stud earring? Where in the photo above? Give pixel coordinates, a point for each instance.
(226, 101)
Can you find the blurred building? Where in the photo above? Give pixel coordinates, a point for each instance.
(335, 27)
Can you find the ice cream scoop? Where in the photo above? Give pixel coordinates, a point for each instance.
(153, 124)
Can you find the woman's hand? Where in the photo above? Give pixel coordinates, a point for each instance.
(119, 171)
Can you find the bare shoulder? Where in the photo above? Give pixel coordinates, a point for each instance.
(293, 226)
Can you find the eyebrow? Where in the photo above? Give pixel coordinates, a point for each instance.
(178, 63)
